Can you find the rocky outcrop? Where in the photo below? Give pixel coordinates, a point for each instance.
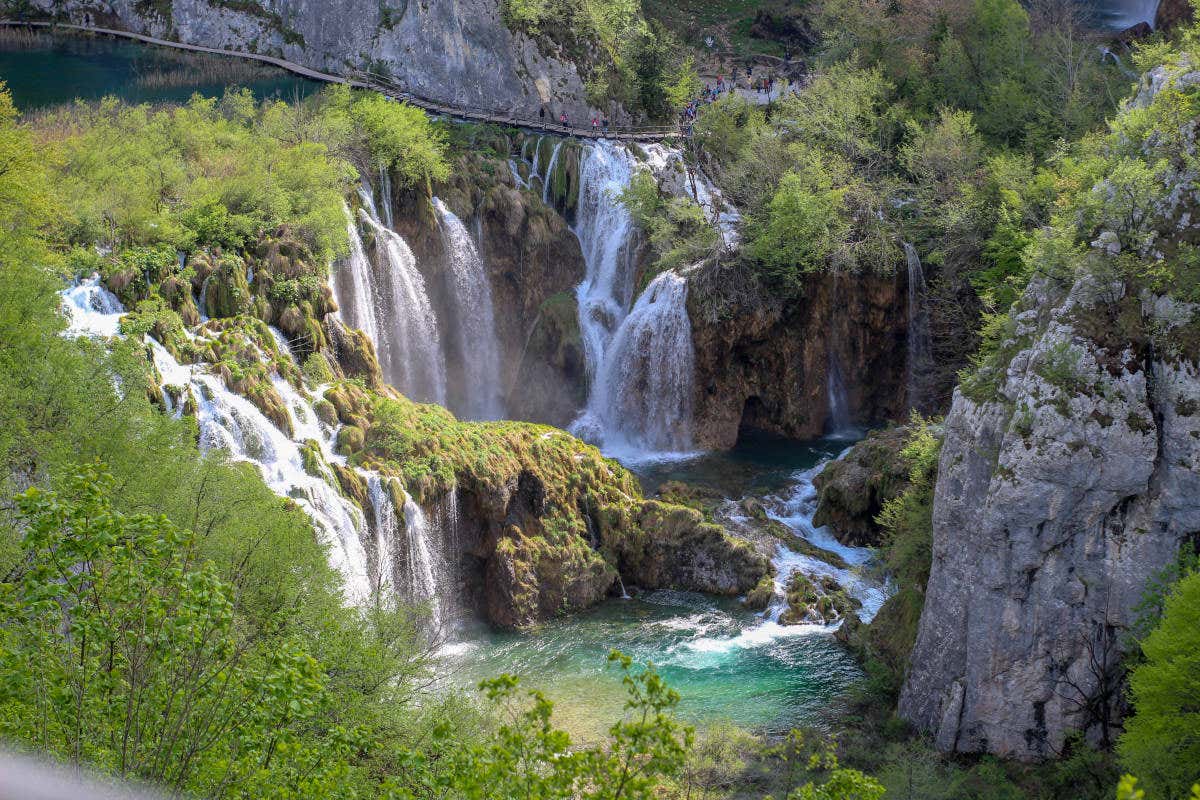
(763, 363)
(454, 52)
(851, 490)
(1056, 501)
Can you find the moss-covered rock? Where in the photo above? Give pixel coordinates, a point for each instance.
(350, 439)
(851, 490)
(813, 599)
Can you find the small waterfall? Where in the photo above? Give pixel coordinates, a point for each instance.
(387, 531)
(548, 178)
(839, 404)
(475, 324)
(423, 557)
(920, 357)
(202, 303)
(91, 309)
(641, 398)
(605, 233)
(385, 195)
(408, 343)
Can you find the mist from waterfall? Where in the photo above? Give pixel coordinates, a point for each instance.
(473, 320)
(388, 292)
(641, 399)
(919, 345)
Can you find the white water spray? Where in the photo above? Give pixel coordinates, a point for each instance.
(641, 398)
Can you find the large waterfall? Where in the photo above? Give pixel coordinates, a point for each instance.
(641, 397)
(389, 293)
(1120, 15)
(920, 348)
(473, 320)
(640, 361)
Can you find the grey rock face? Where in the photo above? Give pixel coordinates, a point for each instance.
(1054, 505)
(455, 52)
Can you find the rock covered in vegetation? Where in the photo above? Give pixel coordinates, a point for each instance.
(851, 490)
(816, 599)
(545, 522)
(1070, 470)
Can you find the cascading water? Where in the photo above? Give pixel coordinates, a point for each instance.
(605, 232)
(407, 339)
(229, 422)
(641, 398)
(920, 349)
(474, 320)
(354, 287)
(839, 405)
(548, 177)
(385, 195)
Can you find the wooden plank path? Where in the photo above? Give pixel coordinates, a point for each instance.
(366, 80)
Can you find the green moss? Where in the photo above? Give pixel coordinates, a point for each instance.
(350, 439)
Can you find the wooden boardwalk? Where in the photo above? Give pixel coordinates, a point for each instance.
(364, 80)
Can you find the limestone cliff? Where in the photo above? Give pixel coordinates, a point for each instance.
(1069, 473)
(455, 52)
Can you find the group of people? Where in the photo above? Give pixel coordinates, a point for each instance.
(598, 123)
(712, 92)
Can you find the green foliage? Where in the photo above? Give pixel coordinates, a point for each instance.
(530, 758)
(155, 680)
(211, 172)
(623, 56)
(677, 229)
(399, 136)
(1161, 742)
(806, 219)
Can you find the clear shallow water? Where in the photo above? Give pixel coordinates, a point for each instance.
(50, 70)
(727, 663)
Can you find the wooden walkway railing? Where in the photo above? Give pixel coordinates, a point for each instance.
(367, 80)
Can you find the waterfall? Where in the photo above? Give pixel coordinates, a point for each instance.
(605, 233)
(354, 287)
(407, 339)
(641, 398)
(920, 357)
(835, 392)
(474, 320)
(232, 423)
(548, 178)
(385, 195)
(91, 309)
(386, 523)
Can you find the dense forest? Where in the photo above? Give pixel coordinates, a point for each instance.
(174, 618)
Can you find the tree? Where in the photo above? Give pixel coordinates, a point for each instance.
(1161, 743)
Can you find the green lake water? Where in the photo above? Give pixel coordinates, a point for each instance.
(44, 70)
(728, 664)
